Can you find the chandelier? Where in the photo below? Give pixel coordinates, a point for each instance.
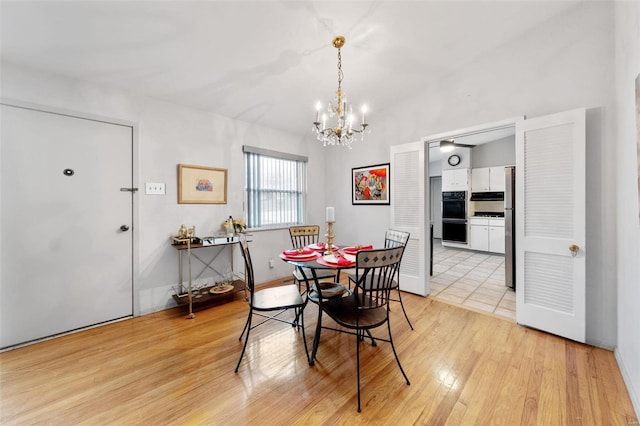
(341, 127)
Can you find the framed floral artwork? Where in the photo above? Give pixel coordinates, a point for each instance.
(370, 184)
(201, 185)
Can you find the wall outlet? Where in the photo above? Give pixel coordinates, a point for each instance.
(154, 188)
(271, 265)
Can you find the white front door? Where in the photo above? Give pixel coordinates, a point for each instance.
(66, 264)
(409, 195)
(550, 224)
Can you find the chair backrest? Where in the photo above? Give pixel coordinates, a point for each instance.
(375, 270)
(304, 235)
(248, 266)
(394, 238)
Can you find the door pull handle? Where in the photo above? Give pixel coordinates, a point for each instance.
(574, 250)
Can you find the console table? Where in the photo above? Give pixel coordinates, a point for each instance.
(184, 296)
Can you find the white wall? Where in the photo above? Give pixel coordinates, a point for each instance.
(564, 64)
(627, 18)
(165, 135)
(501, 152)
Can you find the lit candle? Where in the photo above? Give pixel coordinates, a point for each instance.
(364, 109)
(331, 214)
(318, 107)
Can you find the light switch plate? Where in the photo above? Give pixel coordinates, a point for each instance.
(154, 188)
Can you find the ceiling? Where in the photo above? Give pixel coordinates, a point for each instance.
(474, 137)
(264, 62)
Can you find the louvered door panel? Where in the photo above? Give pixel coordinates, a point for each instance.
(552, 279)
(406, 200)
(407, 188)
(549, 182)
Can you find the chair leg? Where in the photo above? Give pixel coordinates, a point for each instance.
(358, 333)
(246, 324)
(246, 340)
(395, 353)
(304, 335)
(402, 305)
(316, 337)
(373, 341)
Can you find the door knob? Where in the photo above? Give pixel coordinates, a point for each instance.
(124, 228)
(574, 249)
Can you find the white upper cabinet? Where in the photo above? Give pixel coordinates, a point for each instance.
(455, 180)
(496, 179)
(480, 180)
(487, 179)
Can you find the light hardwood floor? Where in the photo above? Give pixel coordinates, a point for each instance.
(465, 368)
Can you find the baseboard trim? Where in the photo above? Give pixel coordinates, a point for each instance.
(626, 377)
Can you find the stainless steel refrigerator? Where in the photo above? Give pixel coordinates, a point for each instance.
(509, 227)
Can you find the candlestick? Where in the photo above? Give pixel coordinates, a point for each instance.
(329, 236)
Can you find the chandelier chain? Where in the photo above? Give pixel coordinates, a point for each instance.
(340, 73)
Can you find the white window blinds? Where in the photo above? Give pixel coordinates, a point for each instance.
(275, 188)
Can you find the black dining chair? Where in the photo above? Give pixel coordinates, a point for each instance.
(367, 307)
(270, 303)
(394, 238)
(301, 236)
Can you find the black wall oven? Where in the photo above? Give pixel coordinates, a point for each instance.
(454, 216)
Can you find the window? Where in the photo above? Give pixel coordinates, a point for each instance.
(275, 188)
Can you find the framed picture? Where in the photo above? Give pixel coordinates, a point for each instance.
(201, 185)
(370, 185)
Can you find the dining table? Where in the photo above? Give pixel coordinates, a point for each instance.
(312, 258)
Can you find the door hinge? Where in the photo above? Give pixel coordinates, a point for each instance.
(129, 189)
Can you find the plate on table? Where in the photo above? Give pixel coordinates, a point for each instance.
(320, 247)
(300, 256)
(336, 260)
(356, 249)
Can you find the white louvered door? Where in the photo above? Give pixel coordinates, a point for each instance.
(408, 197)
(550, 221)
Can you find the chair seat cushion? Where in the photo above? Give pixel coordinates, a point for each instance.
(320, 273)
(343, 310)
(367, 284)
(280, 297)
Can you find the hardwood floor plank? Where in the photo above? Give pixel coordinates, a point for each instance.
(465, 367)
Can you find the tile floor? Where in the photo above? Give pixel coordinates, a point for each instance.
(472, 279)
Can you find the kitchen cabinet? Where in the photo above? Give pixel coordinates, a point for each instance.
(455, 180)
(496, 235)
(479, 234)
(487, 179)
(486, 234)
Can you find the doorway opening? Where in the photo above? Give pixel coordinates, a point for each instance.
(463, 274)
